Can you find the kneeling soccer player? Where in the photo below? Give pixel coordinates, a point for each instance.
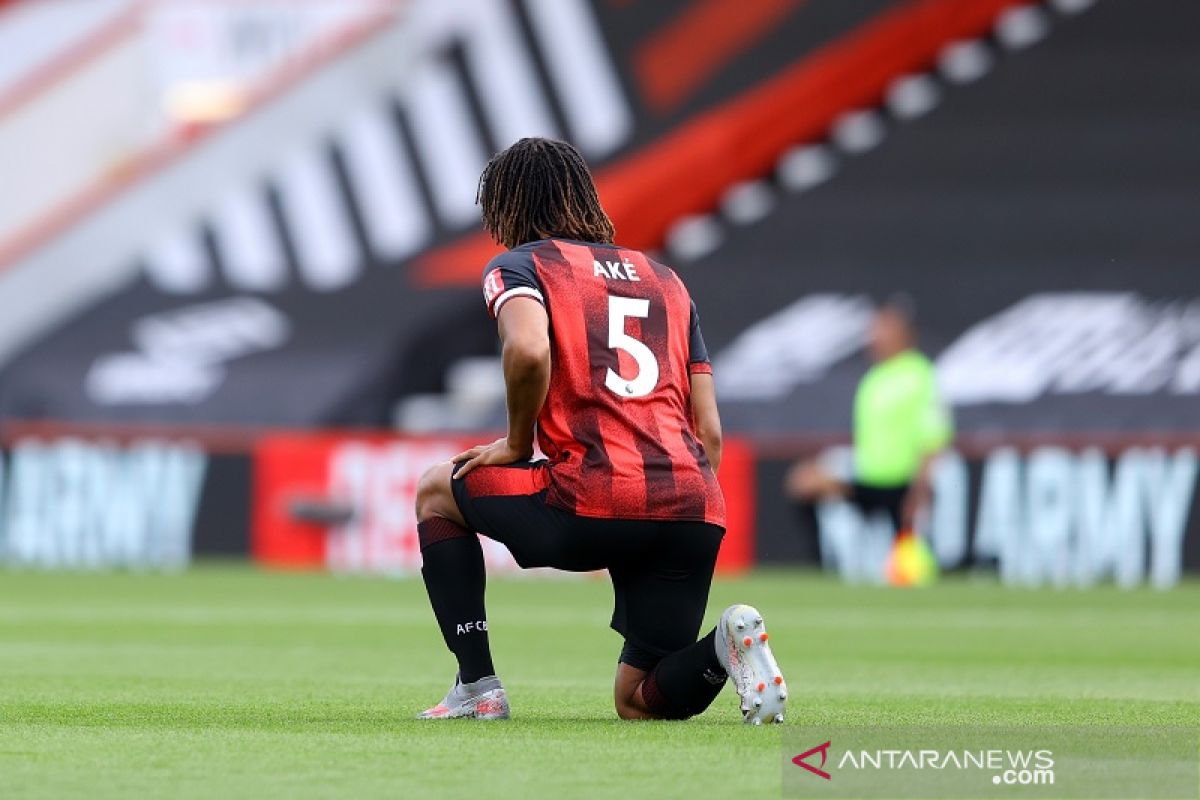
(602, 352)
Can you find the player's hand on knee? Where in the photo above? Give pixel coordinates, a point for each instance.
(498, 453)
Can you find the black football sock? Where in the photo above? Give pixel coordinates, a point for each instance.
(455, 580)
(686, 682)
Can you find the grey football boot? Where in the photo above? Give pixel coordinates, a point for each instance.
(483, 699)
(743, 651)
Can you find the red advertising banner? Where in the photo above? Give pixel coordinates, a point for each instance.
(739, 483)
(376, 475)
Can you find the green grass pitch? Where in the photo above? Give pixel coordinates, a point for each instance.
(225, 682)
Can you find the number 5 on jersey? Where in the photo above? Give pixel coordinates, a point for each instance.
(620, 308)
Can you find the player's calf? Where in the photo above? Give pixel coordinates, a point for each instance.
(455, 578)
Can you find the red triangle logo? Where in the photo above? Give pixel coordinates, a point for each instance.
(823, 749)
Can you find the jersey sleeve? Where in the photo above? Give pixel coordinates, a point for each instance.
(508, 275)
(698, 361)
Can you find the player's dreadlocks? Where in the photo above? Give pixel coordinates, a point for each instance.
(538, 189)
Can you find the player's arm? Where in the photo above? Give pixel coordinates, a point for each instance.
(525, 355)
(525, 333)
(706, 417)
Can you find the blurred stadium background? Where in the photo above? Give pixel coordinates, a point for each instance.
(239, 260)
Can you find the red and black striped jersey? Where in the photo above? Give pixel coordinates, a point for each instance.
(617, 423)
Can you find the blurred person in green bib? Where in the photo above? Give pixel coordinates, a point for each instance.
(900, 425)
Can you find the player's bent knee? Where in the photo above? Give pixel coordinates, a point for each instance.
(628, 709)
(630, 706)
(433, 491)
(629, 712)
(625, 711)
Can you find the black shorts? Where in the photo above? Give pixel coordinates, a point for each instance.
(660, 571)
(873, 499)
